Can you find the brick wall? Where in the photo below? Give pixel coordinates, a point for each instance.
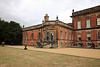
(83, 22)
(83, 36)
(59, 36)
(35, 36)
(29, 37)
(63, 37)
(93, 20)
(75, 23)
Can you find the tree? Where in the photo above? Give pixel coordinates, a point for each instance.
(10, 32)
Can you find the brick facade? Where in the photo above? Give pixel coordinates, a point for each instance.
(54, 30)
(83, 16)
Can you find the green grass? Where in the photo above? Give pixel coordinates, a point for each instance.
(13, 57)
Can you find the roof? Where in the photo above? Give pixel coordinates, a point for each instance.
(86, 11)
(52, 22)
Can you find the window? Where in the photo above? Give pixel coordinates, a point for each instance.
(65, 35)
(39, 36)
(66, 44)
(61, 35)
(88, 36)
(61, 44)
(98, 35)
(79, 37)
(31, 43)
(88, 44)
(47, 34)
(78, 24)
(69, 44)
(32, 36)
(26, 36)
(88, 24)
(98, 44)
(98, 21)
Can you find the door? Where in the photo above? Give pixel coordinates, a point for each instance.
(51, 36)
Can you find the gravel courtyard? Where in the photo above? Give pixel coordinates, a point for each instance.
(91, 53)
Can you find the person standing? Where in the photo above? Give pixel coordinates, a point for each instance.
(93, 45)
(3, 43)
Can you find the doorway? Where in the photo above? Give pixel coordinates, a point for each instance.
(51, 36)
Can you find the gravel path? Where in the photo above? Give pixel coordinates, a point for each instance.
(91, 53)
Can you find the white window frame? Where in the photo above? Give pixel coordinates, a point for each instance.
(88, 23)
(61, 34)
(98, 35)
(98, 21)
(78, 24)
(87, 36)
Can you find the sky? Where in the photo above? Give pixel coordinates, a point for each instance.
(32, 12)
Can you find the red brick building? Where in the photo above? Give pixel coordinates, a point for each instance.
(86, 24)
(49, 32)
(84, 29)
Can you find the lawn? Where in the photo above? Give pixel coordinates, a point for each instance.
(14, 57)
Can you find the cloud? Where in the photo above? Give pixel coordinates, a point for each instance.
(31, 12)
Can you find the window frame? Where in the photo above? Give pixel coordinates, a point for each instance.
(78, 25)
(32, 36)
(79, 36)
(88, 24)
(88, 37)
(98, 35)
(97, 21)
(61, 34)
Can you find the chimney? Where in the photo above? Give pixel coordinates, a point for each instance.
(46, 17)
(23, 26)
(57, 17)
(73, 11)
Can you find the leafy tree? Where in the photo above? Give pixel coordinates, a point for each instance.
(10, 32)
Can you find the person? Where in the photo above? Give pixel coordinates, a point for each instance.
(25, 47)
(93, 45)
(3, 43)
(81, 44)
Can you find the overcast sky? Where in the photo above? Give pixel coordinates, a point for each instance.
(31, 12)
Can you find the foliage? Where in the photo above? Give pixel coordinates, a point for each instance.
(10, 32)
